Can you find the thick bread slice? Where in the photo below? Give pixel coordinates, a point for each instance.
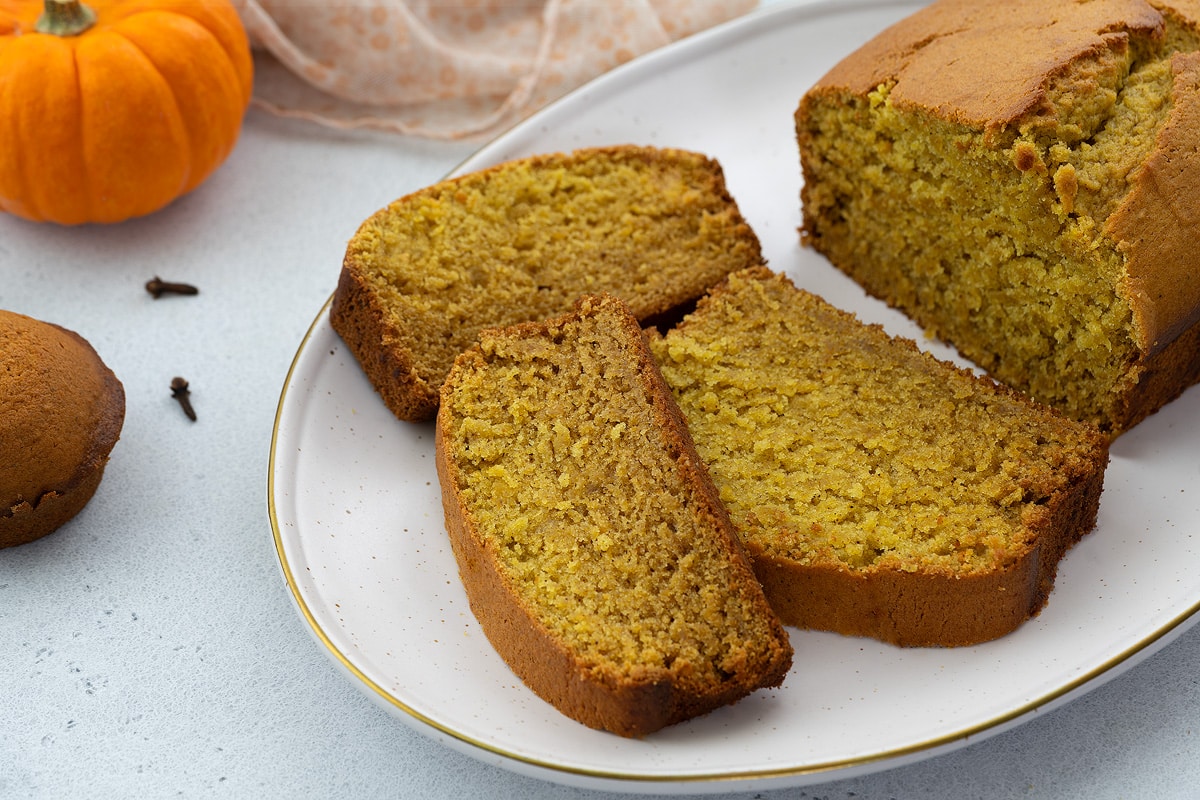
(520, 242)
(880, 492)
(590, 539)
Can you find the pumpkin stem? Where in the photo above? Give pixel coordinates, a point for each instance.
(65, 18)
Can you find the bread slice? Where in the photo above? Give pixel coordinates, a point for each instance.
(589, 537)
(1026, 186)
(520, 242)
(879, 492)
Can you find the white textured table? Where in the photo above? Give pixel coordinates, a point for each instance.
(151, 648)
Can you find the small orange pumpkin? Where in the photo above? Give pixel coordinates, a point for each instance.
(112, 111)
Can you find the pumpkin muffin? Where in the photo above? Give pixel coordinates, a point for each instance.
(61, 412)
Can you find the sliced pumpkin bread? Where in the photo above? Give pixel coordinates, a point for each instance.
(521, 241)
(594, 550)
(880, 492)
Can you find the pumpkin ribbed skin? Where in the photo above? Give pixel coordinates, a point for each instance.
(121, 119)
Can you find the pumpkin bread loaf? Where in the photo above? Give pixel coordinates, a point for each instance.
(61, 412)
(520, 242)
(879, 492)
(1026, 186)
(590, 539)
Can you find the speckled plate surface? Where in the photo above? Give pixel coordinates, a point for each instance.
(358, 523)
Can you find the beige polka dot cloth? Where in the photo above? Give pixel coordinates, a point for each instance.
(450, 69)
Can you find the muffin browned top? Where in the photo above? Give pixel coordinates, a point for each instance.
(61, 410)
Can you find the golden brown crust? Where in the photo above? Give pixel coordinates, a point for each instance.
(61, 412)
(1157, 224)
(633, 703)
(965, 62)
(1161, 378)
(1186, 12)
(934, 607)
(361, 318)
(407, 354)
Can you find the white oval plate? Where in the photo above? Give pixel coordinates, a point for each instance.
(358, 523)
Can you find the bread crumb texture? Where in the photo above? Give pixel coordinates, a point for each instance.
(985, 202)
(561, 458)
(833, 444)
(523, 240)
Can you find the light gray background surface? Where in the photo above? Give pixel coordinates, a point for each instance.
(151, 647)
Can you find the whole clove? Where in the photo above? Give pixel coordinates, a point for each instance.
(157, 287)
(179, 390)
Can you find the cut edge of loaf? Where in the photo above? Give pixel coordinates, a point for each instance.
(361, 319)
(934, 605)
(1077, 133)
(385, 349)
(624, 705)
